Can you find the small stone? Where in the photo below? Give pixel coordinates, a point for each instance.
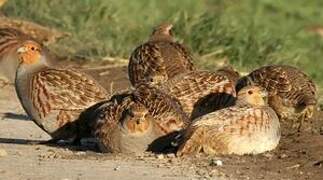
(116, 168)
(160, 156)
(19, 153)
(216, 162)
(171, 155)
(283, 156)
(81, 153)
(3, 153)
(321, 130)
(268, 155)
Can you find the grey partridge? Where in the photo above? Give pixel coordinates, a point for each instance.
(292, 94)
(53, 97)
(201, 92)
(138, 120)
(159, 59)
(249, 127)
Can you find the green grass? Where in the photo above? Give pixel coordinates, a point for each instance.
(248, 33)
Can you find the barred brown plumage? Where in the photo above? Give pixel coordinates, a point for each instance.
(201, 92)
(53, 97)
(159, 59)
(292, 94)
(138, 120)
(249, 127)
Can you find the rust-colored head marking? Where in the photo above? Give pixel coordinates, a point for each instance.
(137, 119)
(163, 29)
(253, 95)
(29, 52)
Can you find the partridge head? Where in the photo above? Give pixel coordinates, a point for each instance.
(162, 32)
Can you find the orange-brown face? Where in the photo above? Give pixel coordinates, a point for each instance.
(253, 95)
(29, 53)
(137, 119)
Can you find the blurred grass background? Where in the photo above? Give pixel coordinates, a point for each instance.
(246, 33)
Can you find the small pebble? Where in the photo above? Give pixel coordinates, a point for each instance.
(268, 155)
(321, 130)
(216, 162)
(117, 168)
(80, 153)
(172, 155)
(3, 153)
(160, 156)
(282, 156)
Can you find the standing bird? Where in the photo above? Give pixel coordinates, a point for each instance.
(53, 97)
(10, 40)
(249, 127)
(159, 59)
(292, 94)
(138, 120)
(201, 92)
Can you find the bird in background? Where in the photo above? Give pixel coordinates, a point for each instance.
(144, 119)
(159, 59)
(292, 94)
(53, 97)
(10, 40)
(248, 127)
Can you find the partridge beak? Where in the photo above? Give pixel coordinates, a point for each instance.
(170, 26)
(21, 50)
(264, 95)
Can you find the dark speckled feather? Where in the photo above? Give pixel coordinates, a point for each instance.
(201, 92)
(159, 59)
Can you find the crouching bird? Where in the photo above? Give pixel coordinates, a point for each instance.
(248, 127)
(53, 97)
(291, 93)
(138, 120)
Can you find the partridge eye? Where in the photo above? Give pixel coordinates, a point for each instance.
(250, 92)
(32, 48)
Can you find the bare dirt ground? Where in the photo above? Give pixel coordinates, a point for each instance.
(297, 157)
